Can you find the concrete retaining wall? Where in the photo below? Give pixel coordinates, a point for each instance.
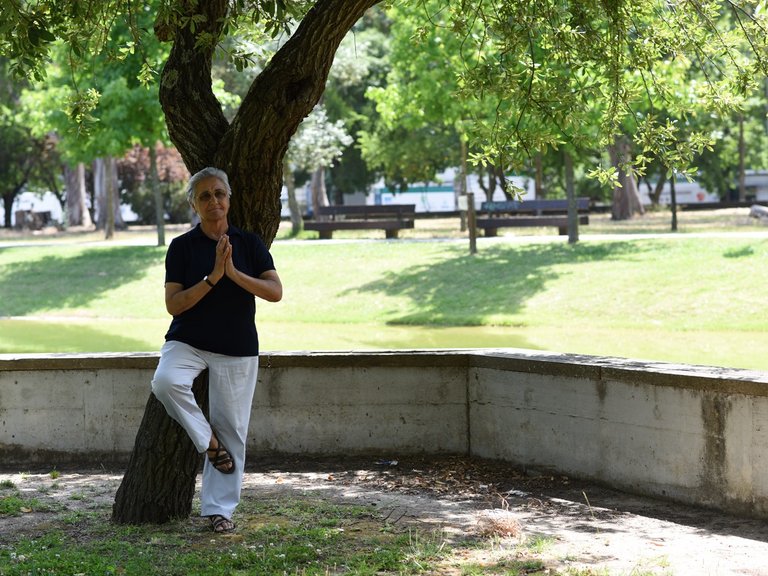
(690, 433)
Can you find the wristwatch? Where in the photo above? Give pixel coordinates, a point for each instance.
(211, 284)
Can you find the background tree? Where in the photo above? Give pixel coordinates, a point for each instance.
(419, 97)
(20, 149)
(115, 111)
(136, 190)
(556, 59)
(44, 111)
(360, 62)
(316, 145)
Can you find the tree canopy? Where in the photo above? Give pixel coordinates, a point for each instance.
(251, 145)
(541, 75)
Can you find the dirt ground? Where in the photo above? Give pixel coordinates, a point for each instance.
(583, 525)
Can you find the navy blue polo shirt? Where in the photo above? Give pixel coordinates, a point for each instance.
(224, 320)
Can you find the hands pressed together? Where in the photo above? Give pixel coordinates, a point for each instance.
(223, 264)
(267, 286)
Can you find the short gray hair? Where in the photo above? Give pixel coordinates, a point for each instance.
(205, 173)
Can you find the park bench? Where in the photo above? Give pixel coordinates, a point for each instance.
(530, 213)
(391, 218)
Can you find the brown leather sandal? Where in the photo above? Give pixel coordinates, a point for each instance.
(220, 458)
(220, 524)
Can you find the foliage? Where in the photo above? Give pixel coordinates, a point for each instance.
(552, 61)
(30, 30)
(23, 153)
(318, 141)
(133, 170)
(360, 62)
(417, 104)
(406, 156)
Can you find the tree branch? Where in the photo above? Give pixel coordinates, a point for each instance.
(196, 123)
(278, 100)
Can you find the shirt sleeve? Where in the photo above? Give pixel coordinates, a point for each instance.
(262, 259)
(174, 263)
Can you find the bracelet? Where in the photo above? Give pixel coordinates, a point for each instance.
(211, 284)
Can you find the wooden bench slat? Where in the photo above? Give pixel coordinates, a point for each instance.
(389, 217)
(369, 211)
(530, 213)
(358, 224)
(491, 225)
(536, 206)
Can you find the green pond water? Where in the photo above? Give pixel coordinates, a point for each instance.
(77, 335)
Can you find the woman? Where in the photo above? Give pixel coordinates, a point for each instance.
(212, 275)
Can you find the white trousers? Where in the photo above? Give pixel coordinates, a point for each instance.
(231, 384)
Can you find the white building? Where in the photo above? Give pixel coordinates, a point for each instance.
(442, 196)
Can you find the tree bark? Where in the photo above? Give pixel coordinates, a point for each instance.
(626, 198)
(77, 208)
(297, 223)
(655, 194)
(251, 150)
(570, 192)
(462, 190)
(319, 194)
(742, 161)
(154, 183)
(159, 483)
(8, 199)
(8, 209)
(109, 191)
(107, 196)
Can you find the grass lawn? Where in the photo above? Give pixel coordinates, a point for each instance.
(682, 297)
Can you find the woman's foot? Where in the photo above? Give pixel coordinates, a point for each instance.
(219, 457)
(220, 524)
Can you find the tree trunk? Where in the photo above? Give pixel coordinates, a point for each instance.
(109, 191)
(107, 195)
(539, 191)
(570, 191)
(673, 200)
(462, 189)
(317, 186)
(742, 156)
(501, 178)
(154, 183)
(626, 198)
(99, 195)
(655, 194)
(250, 150)
(159, 484)
(490, 188)
(8, 207)
(77, 208)
(293, 205)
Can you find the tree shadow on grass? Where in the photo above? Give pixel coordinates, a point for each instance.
(71, 281)
(499, 279)
(42, 337)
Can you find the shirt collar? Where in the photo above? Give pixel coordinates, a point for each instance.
(231, 231)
